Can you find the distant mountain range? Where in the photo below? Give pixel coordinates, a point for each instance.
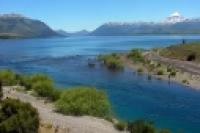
(174, 24)
(78, 33)
(17, 26)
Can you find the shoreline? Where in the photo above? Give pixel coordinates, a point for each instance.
(191, 80)
(53, 122)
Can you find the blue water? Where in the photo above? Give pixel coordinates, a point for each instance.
(133, 96)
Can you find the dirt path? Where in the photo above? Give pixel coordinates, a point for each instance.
(186, 66)
(65, 124)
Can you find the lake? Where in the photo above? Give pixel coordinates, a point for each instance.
(132, 95)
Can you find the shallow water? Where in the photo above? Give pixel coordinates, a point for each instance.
(133, 96)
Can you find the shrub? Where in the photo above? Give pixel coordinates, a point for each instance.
(188, 51)
(160, 72)
(158, 65)
(173, 73)
(185, 81)
(169, 69)
(24, 80)
(164, 131)
(141, 126)
(121, 126)
(40, 78)
(140, 70)
(18, 117)
(191, 57)
(55, 95)
(45, 89)
(83, 101)
(8, 78)
(111, 61)
(136, 56)
(151, 67)
(1, 91)
(110, 119)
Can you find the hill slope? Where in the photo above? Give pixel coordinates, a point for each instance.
(186, 52)
(174, 24)
(16, 26)
(128, 29)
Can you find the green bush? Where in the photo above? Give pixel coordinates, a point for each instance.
(173, 73)
(112, 61)
(8, 78)
(151, 67)
(55, 95)
(40, 78)
(185, 81)
(158, 65)
(169, 69)
(24, 80)
(18, 117)
(44, 89)
(141, 126)
(160, 72)
(84, 101)
(121, 126)
(144, 126)
(136, 56)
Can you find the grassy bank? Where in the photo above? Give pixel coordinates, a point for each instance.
(186, 52)
(142, 62)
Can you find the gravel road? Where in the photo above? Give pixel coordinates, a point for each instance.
(186, 66)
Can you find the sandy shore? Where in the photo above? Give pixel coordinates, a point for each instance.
(187, 71)
(53, 122)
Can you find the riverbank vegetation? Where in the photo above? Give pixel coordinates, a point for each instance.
(147, 62)
(136, 56)
(84, 101)
(145, 65)
(76, 101)
(111, 61)
(140, 126)
(185, 52)
(71, 101)
(18, 117)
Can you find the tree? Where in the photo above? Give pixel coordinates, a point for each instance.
(18, 117)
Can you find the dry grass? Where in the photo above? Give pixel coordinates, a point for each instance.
(182, 51)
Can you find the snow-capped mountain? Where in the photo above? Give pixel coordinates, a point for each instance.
(175, 18)
(174, 24)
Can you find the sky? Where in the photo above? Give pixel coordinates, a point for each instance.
(75, 15)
